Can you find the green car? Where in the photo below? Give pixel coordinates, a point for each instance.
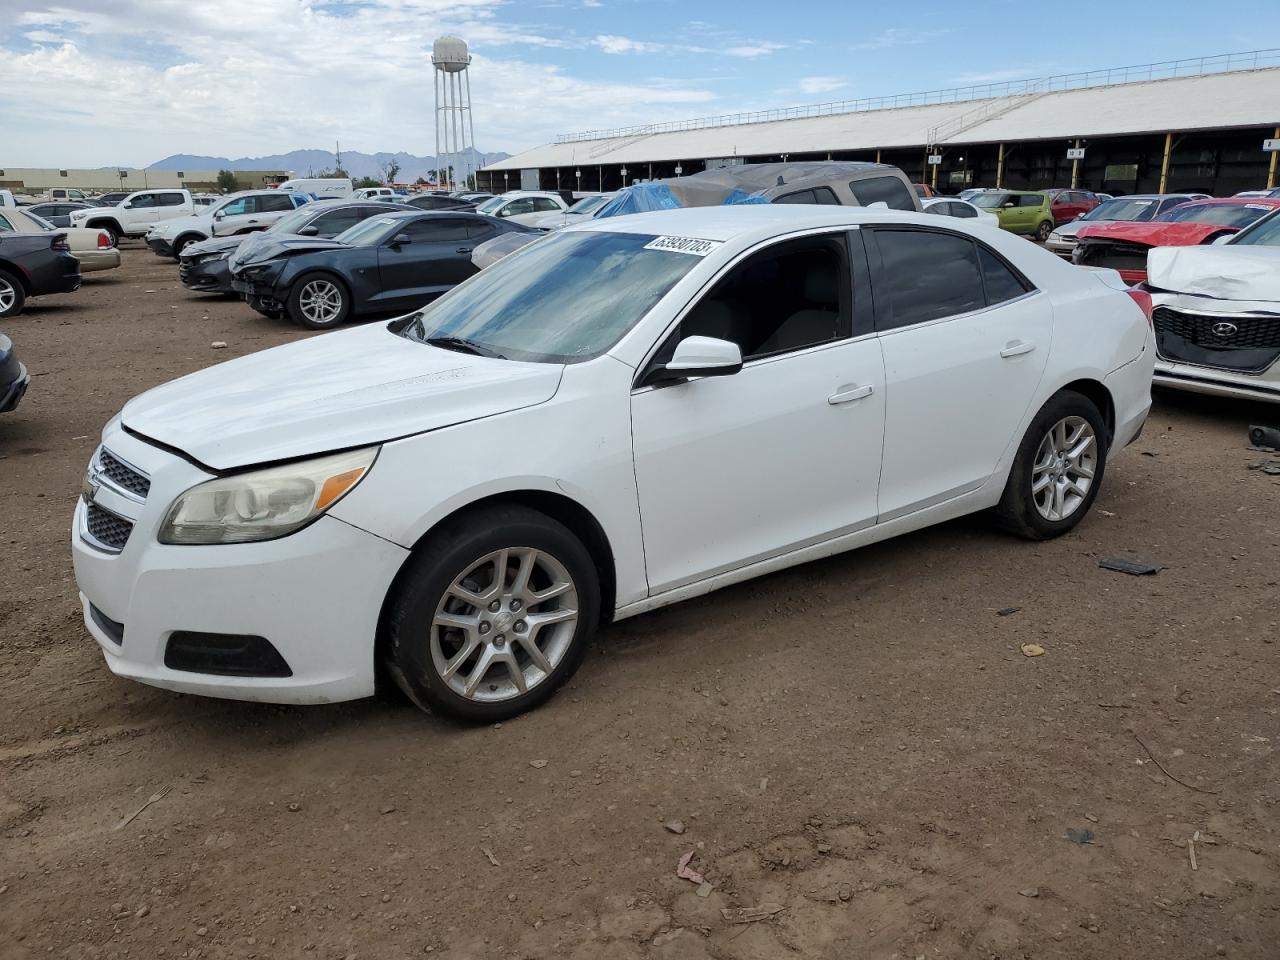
(1020, 211)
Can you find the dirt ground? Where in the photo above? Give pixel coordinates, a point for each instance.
(857, 750)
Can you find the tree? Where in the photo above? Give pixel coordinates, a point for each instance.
(389, 171)
(419, 182)
(227, 182)
(365, 182)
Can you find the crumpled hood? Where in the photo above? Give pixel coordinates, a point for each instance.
(1155, 234)
(278, 246)
(338, 390)
(212, 245)
(1228, 272)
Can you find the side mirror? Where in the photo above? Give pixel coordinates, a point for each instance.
(309, 231)
(699, 357)
(401, 238)
(1009, 204)
(1225, 238)
(219, 215)
(128, 205)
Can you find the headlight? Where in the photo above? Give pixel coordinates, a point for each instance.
(264, 504)
(1056, 236)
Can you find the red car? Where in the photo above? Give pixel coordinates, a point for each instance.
(1124, 245)
(1069, 204)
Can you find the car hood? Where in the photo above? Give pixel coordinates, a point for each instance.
(1228, 272)
(213, 245)
(1155, 234)
(1072, 227)
(283, 245)
(339, 390)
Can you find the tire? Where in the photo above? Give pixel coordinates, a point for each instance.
(182, 242)
(1043, 231)
(464, 556)
(111, 229)
(12, 296)
(319, 301)
(1042, 515)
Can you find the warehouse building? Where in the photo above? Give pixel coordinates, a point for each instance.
(1189, 125)
(37, 180)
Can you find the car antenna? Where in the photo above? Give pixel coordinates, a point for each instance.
(780, 181)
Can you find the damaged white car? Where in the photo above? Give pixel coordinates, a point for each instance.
(1217, 314)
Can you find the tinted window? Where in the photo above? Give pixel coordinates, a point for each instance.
(143, 200)
(925, 276)
(823, 195)
(1031, 200)
(544, 204)
(887, 190)
(962, 210)
(171, 200)
(478, 229)
(433, 230)
(6, 226)
(790, 296)
(274, 203)
(516, 207)
(332, 224)
(1000, 282)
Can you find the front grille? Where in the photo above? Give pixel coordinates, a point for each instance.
(1253, 346)
(184, 271)
(105, 527)
(123, 475)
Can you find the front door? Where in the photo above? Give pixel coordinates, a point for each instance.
(965, 340)
(786, 452)
(437, 257)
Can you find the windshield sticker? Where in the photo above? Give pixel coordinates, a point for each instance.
(1258, 206)
(695, 248)
(1141, 203)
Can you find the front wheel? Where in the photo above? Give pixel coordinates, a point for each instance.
(319, 301)
(12, 296)
(1058, 468)
(1043, 231)
(493, 615)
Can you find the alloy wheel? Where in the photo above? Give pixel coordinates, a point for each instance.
(1064, 468)
(504, 624)
(320, 301)
(8, 295)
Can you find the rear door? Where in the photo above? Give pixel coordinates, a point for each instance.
(271, 207)
(170, 204)
(965, 340)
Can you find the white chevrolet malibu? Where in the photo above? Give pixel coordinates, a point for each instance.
(618, 417)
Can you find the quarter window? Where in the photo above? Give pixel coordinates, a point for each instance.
(1000, 282)
(890, 191)
(788, 297)
(925, 276)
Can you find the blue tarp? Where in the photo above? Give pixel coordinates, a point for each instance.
(647, 197)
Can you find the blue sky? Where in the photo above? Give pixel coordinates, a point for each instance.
(96, 82)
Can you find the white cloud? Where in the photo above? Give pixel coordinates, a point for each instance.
(610, 43)
(899, 37)
(815, 85)
(754, 48)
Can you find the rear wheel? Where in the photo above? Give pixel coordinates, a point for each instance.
(1058, 469)
(493, 615)
(112, 230)
(1043, 231)
(319, 301)
(12, 296)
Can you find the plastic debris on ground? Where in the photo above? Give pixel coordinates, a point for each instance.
(1079, 836)
(686, 872)
(1137, 568)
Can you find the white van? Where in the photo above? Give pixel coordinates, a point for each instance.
(334, 188)
(373, 193)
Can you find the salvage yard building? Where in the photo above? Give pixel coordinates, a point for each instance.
(1196, 125)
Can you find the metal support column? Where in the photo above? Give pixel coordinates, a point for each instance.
(1000, 168)
(1271, 170)
(1075, 170)
(1164, 164)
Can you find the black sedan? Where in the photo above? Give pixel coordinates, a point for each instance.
(13, 376)
(204, 266)
(385, 265)
(32, 264)
(57, 212)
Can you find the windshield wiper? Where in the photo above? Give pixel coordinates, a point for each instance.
(463, 345)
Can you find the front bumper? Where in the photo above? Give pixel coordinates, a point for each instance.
(160, 246)
(1218, 383)
(1063, 248)
(92, 261)
(14, 390)
(315, 595)
(205, 276)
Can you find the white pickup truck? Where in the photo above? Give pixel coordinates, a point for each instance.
(237, 213)
(64, 193)
(137, 213)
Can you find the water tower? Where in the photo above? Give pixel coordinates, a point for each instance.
(455, 133)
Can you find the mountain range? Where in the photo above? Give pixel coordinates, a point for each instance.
(304, 163)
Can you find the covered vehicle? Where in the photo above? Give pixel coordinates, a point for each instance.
(1124, 246)
(92, 246)
(13, 376)
(205, 267)
(32, 265)
(1216, 312)
(1135, 208)
(389, 263)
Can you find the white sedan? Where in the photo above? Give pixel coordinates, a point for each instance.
(955, 207)
(626, 414)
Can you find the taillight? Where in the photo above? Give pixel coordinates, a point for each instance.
(60, 243)
(1143, 300)
(104, 240)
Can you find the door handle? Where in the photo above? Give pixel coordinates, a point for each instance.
(848, 396)
(463, 250)
(1016, 348)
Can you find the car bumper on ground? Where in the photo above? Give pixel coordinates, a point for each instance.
(92, 261)
(14, 390)
(292, 620)
(160, 246)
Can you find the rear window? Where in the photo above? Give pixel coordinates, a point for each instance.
(1031, 200)
(926, 276)
(890, 191)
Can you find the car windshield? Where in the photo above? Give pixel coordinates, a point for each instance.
(562, 299)
(366, 233)
(1219, 214)
(490, 205)
(1125, 208)
(1264, 233)
(990, 201)
(587, 204)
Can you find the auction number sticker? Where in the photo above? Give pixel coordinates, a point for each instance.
(695, 248)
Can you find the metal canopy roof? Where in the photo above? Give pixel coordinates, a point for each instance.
(1032, 110)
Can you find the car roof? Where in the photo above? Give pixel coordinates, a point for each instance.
(1234, 201)
(749, 220)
